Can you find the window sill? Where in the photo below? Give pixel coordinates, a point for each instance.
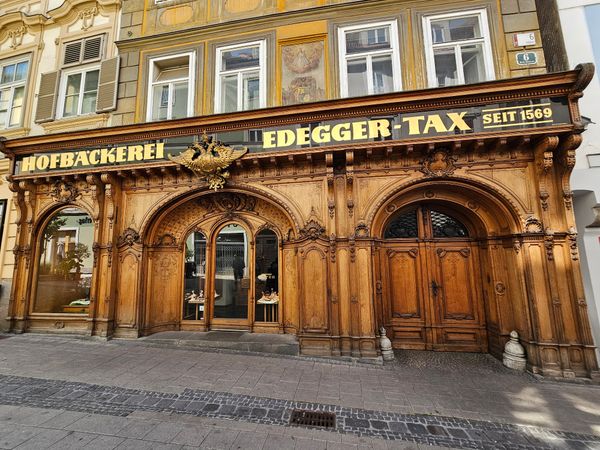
(13, 133)
(87, 122)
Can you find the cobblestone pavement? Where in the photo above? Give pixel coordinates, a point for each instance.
(80, 393)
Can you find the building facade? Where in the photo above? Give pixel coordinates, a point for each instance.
(318, 168)
(34, 38)
(582, 40)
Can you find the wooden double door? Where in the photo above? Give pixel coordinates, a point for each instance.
(431, 285)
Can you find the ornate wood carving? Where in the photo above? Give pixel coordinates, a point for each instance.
(128, 238)
(64, 192)
(439, 163)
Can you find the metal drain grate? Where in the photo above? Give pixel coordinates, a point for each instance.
(312, 418)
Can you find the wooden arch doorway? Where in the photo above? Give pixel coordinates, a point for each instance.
(431, 280)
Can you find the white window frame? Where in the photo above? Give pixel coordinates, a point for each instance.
(191, 78)
(394, 49)
(484, 40)
(12, 87)
(262, 74)
(63, 88)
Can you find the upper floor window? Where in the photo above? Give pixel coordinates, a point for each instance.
(458, 48)
(369, 59)
(78, 90)
(171, 92)
(85, 82)
(13, 76)
(241, 77)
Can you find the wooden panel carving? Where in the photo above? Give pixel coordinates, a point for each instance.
(127, 291)
(163, 297)
(455, 276)
(405, 280)
(315, 307)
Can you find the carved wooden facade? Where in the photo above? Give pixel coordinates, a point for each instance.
(513, 265)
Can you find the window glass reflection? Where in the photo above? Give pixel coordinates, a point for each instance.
(267, 277)
(194, 277)
(231, 279)
(65, 263)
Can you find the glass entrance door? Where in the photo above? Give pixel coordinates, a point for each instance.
(232, 278)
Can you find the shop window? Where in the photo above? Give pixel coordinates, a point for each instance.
(171, 92)
(85, 84)
(267, 277)
(458, 49)
(13, 77)
(369, 59)
(241, 77)
(232, 281)
(194, 277)
(65, 262)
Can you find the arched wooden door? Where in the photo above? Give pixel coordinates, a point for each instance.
(431, 286)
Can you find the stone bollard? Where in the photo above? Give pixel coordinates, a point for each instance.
(386, 346)
(514, 353)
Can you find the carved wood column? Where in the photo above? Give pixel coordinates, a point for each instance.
(106, 198)
(23, 198)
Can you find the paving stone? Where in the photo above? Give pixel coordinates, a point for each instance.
(103, 442)
(74, 440)
(44, 439)
(220, 439)
(18, 436)
(191, 435)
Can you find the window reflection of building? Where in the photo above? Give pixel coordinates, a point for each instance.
(65, 263)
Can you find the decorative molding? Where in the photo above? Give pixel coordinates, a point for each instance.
(87, 17)
(128, 238)
(64, 192)
(16, 36)
(312, 230)
(533, 225)
(439, 163)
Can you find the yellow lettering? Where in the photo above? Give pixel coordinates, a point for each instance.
(28, 164)
(413, 124)
(359, 130)
(93, 157)
(149, 151)
(379, 128)
(269, 139)
(54, 160)
(458, 122)
(121, 154)
(160, 150)
(81, 159)
(66, 160)
(136, 153)
(107, 155)
(487, 119)
(341, 132)
(285, 138)
(303, 136)
(435, 121)
(321, 134)
(42, 162)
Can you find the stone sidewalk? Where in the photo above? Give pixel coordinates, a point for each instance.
(244, 401)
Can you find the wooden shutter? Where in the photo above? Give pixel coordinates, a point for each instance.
(107, 85)
(46, 102)
(92, 49)
(72, 52)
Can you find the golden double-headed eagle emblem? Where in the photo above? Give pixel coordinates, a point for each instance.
(209, 159)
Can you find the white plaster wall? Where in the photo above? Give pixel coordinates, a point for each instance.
(585, 181)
